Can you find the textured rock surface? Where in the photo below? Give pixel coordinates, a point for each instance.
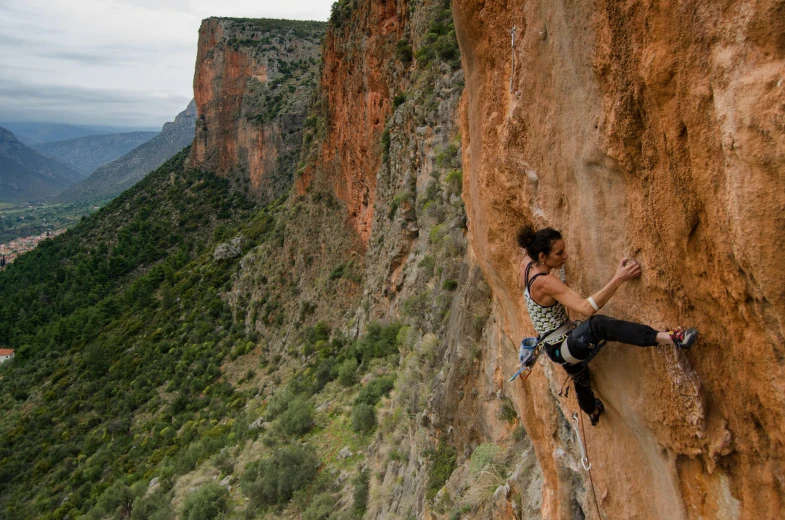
(652, 130)
(355, 93)
(253, 82)
(117, 176)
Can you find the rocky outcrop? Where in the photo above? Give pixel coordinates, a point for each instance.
(253, 82)
(653, 131)
(113, 178)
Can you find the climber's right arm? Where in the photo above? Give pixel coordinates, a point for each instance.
(627, 270)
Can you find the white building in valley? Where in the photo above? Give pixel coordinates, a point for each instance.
(6, 354)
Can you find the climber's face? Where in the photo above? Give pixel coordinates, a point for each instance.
(558, 255)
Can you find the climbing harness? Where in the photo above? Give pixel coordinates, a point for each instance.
(531, 348)
(512, 54)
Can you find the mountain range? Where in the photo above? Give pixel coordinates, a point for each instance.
(26, 175)
(85, 154)
(32, 133)
(122, 173)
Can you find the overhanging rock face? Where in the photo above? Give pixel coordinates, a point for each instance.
(656, 131)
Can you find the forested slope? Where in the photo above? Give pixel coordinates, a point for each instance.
(101, 318)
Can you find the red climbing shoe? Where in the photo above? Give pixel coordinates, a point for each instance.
(595, 415)
(684, 338)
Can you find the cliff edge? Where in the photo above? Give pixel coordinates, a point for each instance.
(253, 85)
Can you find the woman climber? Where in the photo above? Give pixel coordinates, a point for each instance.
(548, 298)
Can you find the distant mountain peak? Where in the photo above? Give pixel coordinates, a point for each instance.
(26, 175)
(122, 173)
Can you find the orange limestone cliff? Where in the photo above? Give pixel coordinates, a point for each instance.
(254, 80)
(653, 130)
(356, 103)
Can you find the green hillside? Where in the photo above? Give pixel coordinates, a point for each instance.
(131, 364)
(101, 318)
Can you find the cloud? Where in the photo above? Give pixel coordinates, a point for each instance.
(123, 62)
(66, 103)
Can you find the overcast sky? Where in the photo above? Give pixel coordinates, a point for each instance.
(112, 62)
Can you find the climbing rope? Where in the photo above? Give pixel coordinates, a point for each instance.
(577, 417)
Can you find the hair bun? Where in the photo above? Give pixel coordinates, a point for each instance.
(526, 236)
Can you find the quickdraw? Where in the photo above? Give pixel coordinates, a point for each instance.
(512, 45)
(584, 458)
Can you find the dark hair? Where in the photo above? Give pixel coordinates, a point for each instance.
(536, 242)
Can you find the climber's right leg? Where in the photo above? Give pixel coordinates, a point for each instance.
(610, 329)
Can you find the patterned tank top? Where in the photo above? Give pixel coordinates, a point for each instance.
(545, 319)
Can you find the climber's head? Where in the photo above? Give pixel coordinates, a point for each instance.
(545, 246)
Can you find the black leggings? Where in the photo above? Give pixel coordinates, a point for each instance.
(588, 334)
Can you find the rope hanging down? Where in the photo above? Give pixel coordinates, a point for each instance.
(576, 417)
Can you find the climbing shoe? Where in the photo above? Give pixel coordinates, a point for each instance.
(684, 339)
(594, 417)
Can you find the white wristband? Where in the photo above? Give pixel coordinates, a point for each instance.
(593, 303)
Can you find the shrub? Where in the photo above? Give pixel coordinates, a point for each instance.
(361, 482)
(379, 341)
(278, 403)
(206, 503)
(154, 506)
(321, 507)
(338, 272)
(483, 456)
(323, 374)
(298, 417)
(450, 285)
(454, 181)
(507, 411)
(397, 200)
(427, 264)
(437, 233)
(403, 51)
(374, 391)
(274, 480)
(386, 144)
(320, 331)
(442, 466)
(363, 417)
(347, 372)
(417, 305)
